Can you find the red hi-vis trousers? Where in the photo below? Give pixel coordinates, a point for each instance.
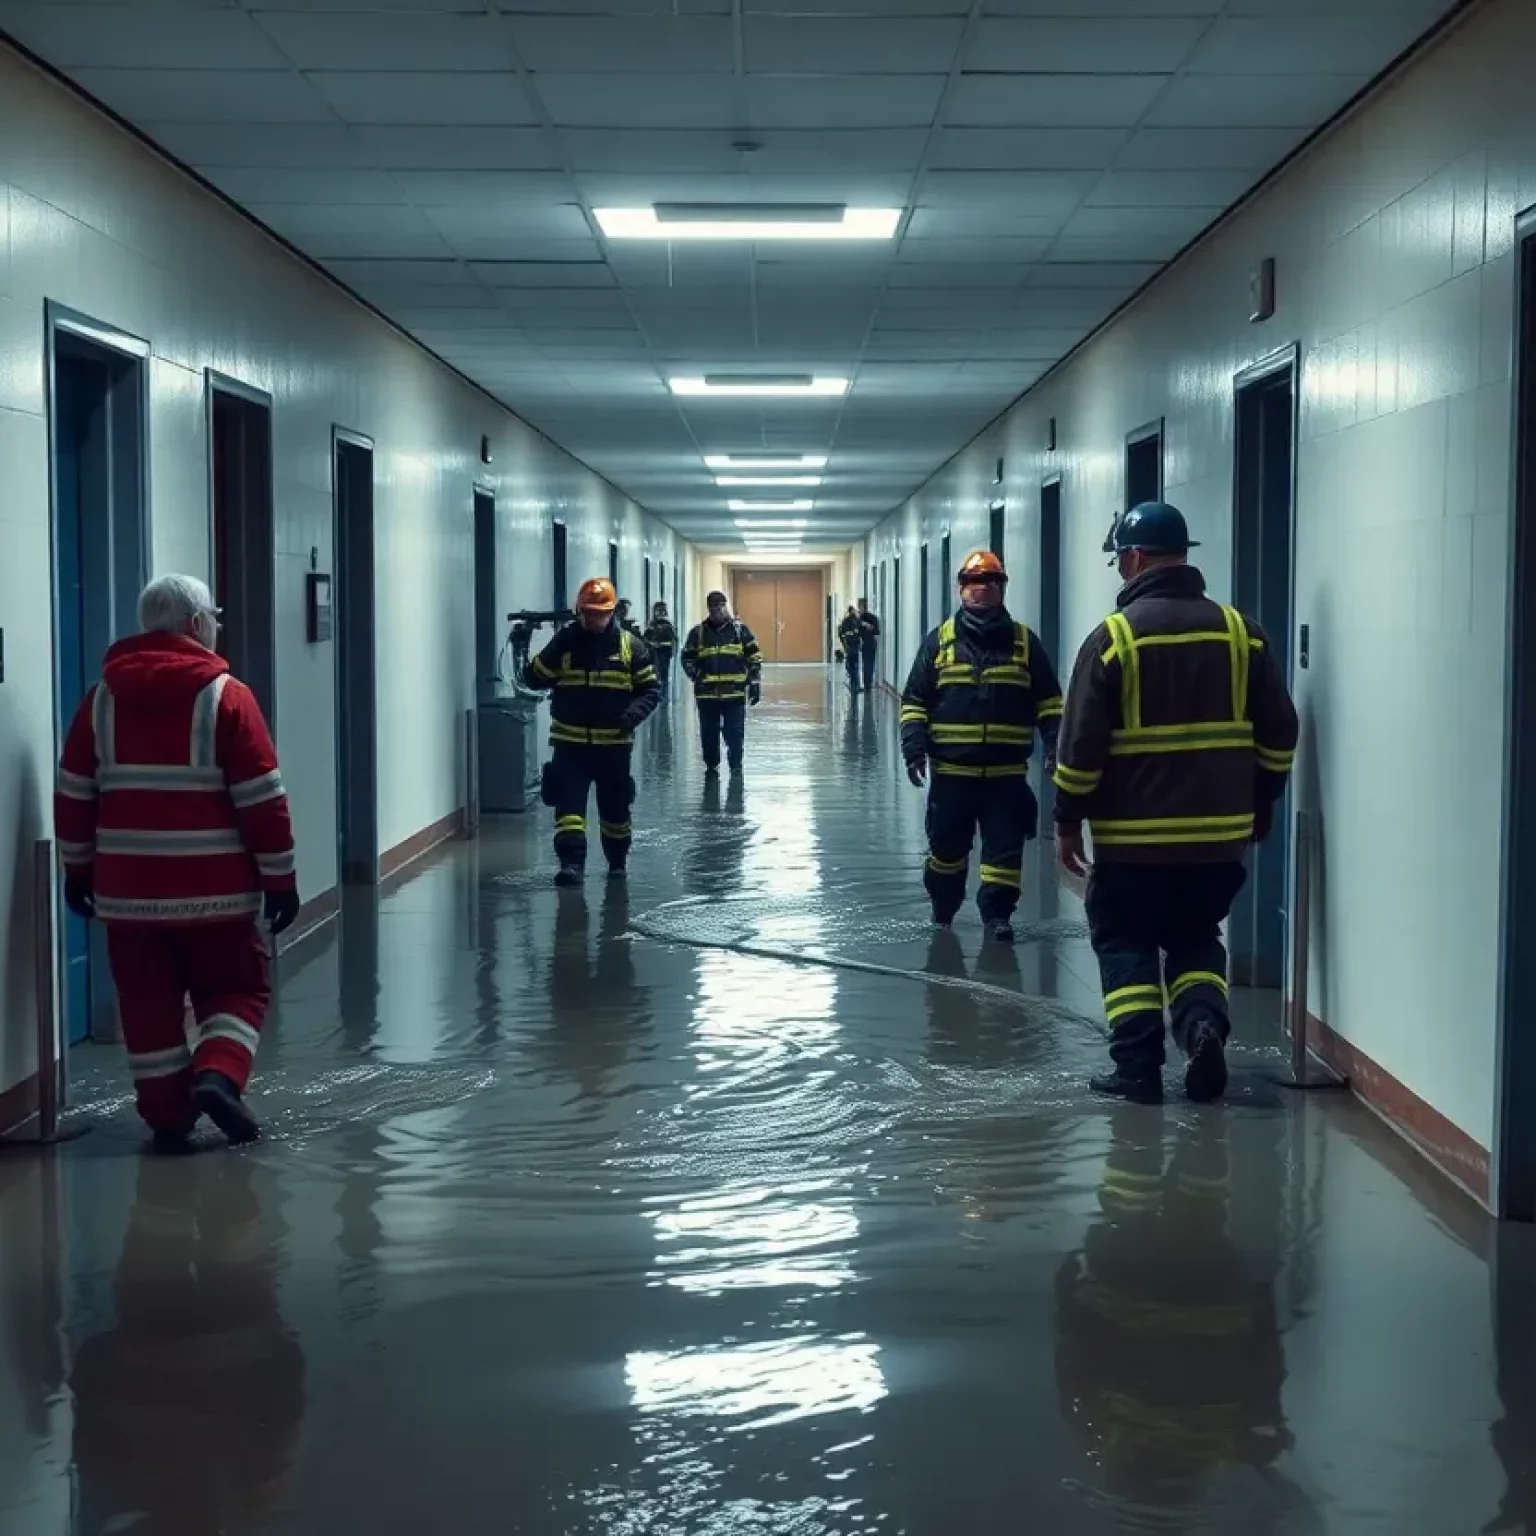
(223, 969)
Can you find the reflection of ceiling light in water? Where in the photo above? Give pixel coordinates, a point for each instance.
(747, 221)
(758, 384)
(760, 1385)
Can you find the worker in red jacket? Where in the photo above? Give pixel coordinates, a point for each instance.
(174, 832)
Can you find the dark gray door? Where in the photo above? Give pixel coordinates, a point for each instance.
(357, 818)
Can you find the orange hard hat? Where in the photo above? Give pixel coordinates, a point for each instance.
(597, 596)
(979, 563)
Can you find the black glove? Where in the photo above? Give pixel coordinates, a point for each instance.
(280, 908)
(754, 693)
(79, 897)
(917, 771)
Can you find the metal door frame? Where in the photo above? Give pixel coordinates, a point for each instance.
(345, 436)
(1133, 438)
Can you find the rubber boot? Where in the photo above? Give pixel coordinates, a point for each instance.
(568, 875)
(1205, 1078)
(1122, 1085)
(1001, 930)
(218, 1098)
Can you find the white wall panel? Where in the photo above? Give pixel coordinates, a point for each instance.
(1392, 238)
(91, 220)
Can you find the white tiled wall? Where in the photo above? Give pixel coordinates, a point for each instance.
(1393, 242)
(90, 219)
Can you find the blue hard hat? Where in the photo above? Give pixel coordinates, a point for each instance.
(1154, 526)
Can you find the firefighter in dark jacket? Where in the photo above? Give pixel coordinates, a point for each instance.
(723, 659)
(981, 686)
(1175, 746)
(869, 642)
(850, 640)
(602, 686)
(661, 637)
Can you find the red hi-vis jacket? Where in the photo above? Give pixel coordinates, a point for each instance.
(169, 798)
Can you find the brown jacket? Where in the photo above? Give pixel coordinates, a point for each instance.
(1178, 727)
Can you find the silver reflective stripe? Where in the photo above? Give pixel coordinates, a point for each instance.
(168, 845)
(205, 723)
(75, 786)
(275, 864)
(225, 1026)
(250, 792)
(159, 776)
(76, 853)
(166, 1063)
(103, 726)
(177, 908)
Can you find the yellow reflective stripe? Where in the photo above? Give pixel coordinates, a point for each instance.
(616, 829)
(626, 647)
(645, 675)
(540, 668)
(571, 824)
(996, 874)
(1177, 823)
(913, 712)
(1190, 829)
(1046, 709)
(991, 771)
(956, 674)
(946, 654)
(1187, 979)
(1130, 670)
(722, 650)
(1012, 734)
(946, 866)
(596, 736)
(943, 731)
(1196, 736)
(1007, 672)
(1237, 629)
(1021, 643)
(1276, 762)
(1076, 781)
(1127, 1000)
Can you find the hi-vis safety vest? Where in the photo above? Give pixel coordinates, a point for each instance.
(590, 703)
(722, 671)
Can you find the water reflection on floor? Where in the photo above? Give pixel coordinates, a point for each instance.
(574, 1219)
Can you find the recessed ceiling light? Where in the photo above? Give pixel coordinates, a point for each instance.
(770, 522)
(759, 384)
(769, 506)
(748, 221)
(784, 463)
(767, 479)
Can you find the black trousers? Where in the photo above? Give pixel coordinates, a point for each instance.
(867, 659)
(851, 661)
(661, 659)
(1005, 813)
(1156, 930)
(722, 717)
(573, 773)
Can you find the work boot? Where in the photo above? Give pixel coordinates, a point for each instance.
(618, 872)
(1001, 930)
(171, 1141)
(568, 875)
(1136, 1089)
(1205, 1078)
(218, 1098)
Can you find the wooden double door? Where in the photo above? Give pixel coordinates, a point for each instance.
(785, 609)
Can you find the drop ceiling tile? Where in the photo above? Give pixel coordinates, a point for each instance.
(375, 247)
(1252, 101)
(1033, 191)
(856, 189)
(1084, 45)
(1183, 222)
(300, 220)
(1051, 101)
(660, 42)
(657, 152)
(640, 101)
(946, 274)
(843, 101)
(1175, 149)
(154, 96)
(983, 219)
(1061, 149)
(308, 146)
(395, 296)
(122, 37)
(810, 45)
(480, 189)
(543, 274)
(278, 184)
(388, 40)
(457, 148)
(1107, 9)
(447, 99)
(445, 273)
(857, 7)
(1171, 189)
(521, 221)
(492, 248)
(1117, 248)
(1359, 46)
(997, 251)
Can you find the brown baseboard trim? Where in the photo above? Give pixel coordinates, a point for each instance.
(18, 1104)
(1446, 1145)
(423, 842)
(313, 915)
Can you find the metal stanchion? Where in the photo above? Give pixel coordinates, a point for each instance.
(51, 1087)
(1307, 1071)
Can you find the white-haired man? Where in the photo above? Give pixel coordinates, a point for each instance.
(175, 833)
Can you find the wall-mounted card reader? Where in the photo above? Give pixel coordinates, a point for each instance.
(317, 606)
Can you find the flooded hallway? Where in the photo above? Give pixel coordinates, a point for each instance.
(766, 766)
(594, 1211)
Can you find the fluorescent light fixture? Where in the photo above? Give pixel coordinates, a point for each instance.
(770, 522)
(759, 384)
(780, 463)
(748, 221)
(768, 506)
(767, 479)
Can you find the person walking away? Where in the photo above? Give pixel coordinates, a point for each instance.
(869, 642)
(1176, 744)
(175, 834)
(850, 637)
(722, 658)
(661, 637)
(980, 688)
(622, 618)
(602, 686)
